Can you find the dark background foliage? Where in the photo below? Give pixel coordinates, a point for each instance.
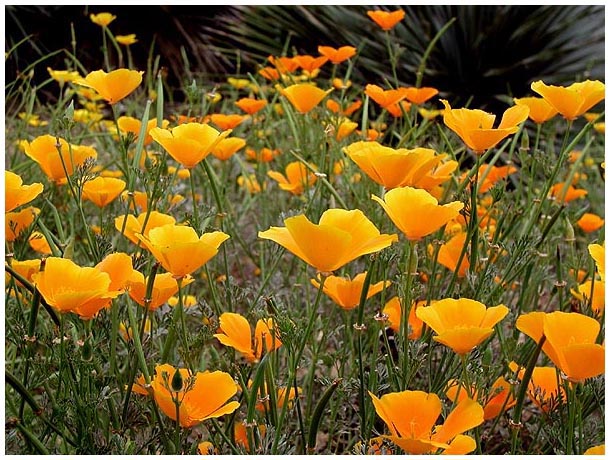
(488, 52)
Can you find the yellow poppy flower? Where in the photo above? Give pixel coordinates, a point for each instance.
(130, 225)
(102, 191)
(39, 243)
(593, 293)
(43, 150)
(16, 222)
(340, 237)
(17, 194)
(203, 395)
(298, 177)
(417, 213)
(63, 76)
(236, 333)
(188, 143)
(461, 324)
(113, 86)
(393, 167)
(574, 100)
(164, 287)
(449, 253)
(596, 450)
(178, 248)
(570, 342)
(68, 287)
(598, 252)
(126, 40)
(540, 109)
(118, 265)
(304, 96)
(102, 19)
(227, 147)
(475, 127)
(346, 292)
(387, 20)
(411, 417)
(133, 125)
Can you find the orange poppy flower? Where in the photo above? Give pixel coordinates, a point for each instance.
(113, 86)
(68, 287)
(337, 55)
(269, 73)
(590, 222)
(178, 248)
(383, 97)
(540, 109)
(134, 125)
(475, 127)
(284, 64)
(340, 237)
(102, 19)
(188, 143)
(438, 175)
(570, 342)
(39, 243)
(227, 147)
(393, 310)
(241, 434)
(164, 287)
(298, 177)
(309, 63)
(203, 395)
(25, 268)
(236, 333)
(411, 417)
(397, 110)
(544, 387)
(133, 225)
(565, 194)
(334, 107)
(392, 167)
(574, 100)
(498, 397)
(385, 19)
(449, 253)
(420, 95)
(346, 292)
(264, 155)
(118, 265)
(250, 105)
(596, 450)
(102, 191)
(17, 194)
(16, 222)
(43, 150)
(417, 213)
(346, 127)
(225, 122)
(461, 324)
(304, 96)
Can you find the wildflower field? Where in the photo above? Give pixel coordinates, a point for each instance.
(292, 262)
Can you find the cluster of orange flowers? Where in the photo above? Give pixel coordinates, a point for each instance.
(413, 181)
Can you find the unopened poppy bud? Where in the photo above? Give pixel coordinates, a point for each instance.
(569, 232)
(177, 381)
(87, 352)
